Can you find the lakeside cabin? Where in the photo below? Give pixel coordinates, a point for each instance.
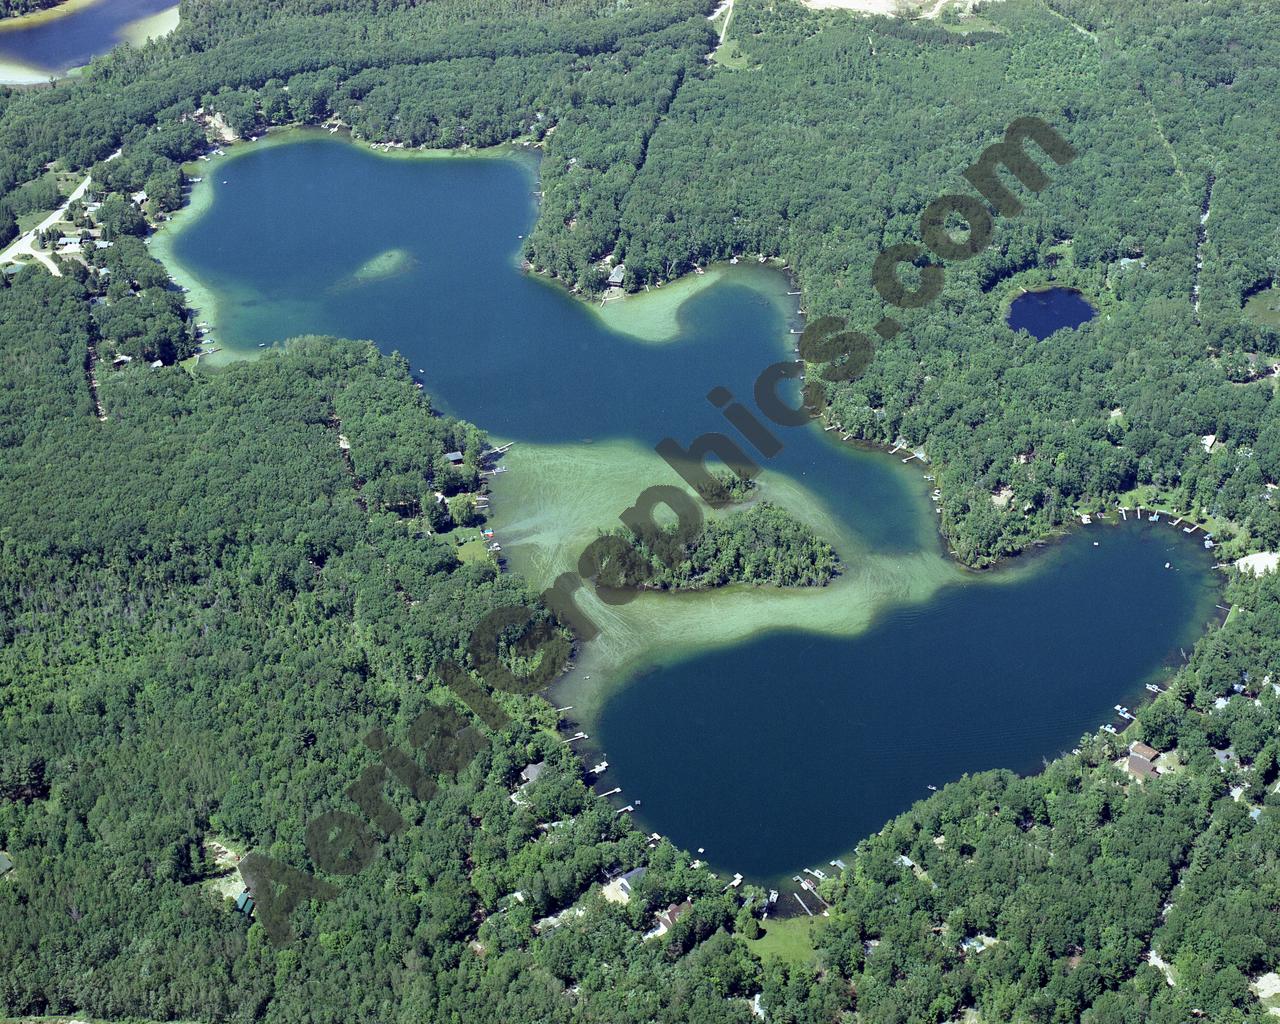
(616, 275)
(665, 920)
(1141, 761)
(528, 776)
(453, 458)
(634, 875)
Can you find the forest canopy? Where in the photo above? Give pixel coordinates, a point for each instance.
(216, 585)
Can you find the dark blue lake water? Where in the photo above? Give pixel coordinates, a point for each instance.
(784, 750)
(1051, 309)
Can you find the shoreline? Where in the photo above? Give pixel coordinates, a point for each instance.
(44, 16)
(18, 74)
(150, 26)
(741, 612)
(585, 714)
(653, 320)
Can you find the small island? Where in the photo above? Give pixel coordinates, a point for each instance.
(391, 263)
(763, 545)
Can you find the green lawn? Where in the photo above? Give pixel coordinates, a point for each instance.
(729, 55)
(789, 939)
(473, 551)
(1264, 308)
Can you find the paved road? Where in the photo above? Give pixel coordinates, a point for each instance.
(25, 246)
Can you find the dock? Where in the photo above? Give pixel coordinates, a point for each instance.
(802, 903)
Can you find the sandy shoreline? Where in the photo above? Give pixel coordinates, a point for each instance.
(24, 21)
(14, 72)
(153, 26)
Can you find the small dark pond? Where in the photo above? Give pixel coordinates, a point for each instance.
(1043, 312)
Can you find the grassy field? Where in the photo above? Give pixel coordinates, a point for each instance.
(789, 939)
(1264, 308)
(29, 220)
(473, 551)
(729, 55)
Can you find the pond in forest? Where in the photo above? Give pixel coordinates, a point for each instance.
(772, 728)
(1049, 309)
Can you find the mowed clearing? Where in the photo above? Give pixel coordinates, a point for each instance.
(894, 8)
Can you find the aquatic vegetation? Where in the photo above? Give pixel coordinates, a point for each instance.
(387, 264)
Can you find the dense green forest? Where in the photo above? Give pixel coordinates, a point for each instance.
(830, 136)
(1041, 898)
(1169, 114)
(207, 602)
(762, 544)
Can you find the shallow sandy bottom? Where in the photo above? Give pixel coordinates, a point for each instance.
(557, 498)
(14, 73)
(43, 16)
(153, 26)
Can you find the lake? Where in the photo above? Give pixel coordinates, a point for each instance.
(50, 43)
(1049, 309)
(773, 728)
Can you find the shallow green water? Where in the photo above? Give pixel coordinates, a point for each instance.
(772, 728)
(63, 39)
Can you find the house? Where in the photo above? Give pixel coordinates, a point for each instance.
(529, 775)
(120, 361)
(616, 275)
(624, 883)
(619, 889)
(1141, 760)
(6, 864)
(674, 912)
(244, 904)
(665, 920)
(454, 458)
